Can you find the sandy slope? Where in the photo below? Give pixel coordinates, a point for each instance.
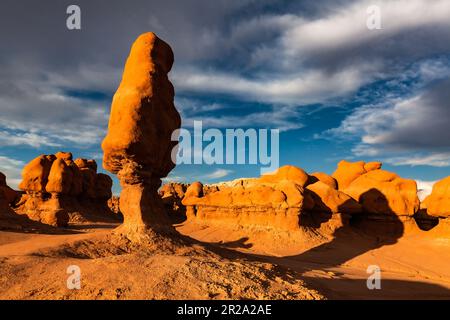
(33, 266)
(415, 266)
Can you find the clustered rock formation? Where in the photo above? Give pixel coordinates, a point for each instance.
(53, 186)
(291, 199)
(138, 144)
(171, 195)
(274, 201)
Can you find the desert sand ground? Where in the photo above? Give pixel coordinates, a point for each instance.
(415, 266)
(223, 264)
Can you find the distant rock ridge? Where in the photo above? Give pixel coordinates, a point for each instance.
(280, 201)
(53, 186)
(291, 199)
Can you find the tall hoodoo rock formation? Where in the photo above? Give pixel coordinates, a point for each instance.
(56, 187)
(138, 144)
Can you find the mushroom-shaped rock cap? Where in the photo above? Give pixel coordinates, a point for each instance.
(346, 172)
(143, 116)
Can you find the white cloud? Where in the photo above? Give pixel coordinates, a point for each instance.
(38, 112)
(399, 126)
(293, 59)
(424, 188)
(280, 117)
(346, 26)
(25, 138)
(302, 88)
(12, 168)
(217, 174)
(434, 160)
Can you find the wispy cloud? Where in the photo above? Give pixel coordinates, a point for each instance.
(25, 139)
(314, 59)
(217, 174)
(406, 130)
(38, 113)
(294, 89)
(434, 160)
(215, 115)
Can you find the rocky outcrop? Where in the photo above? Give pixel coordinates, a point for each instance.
(389, 203)
(138, 144)
(323, 177)
(290, 173)
(329, 200)
(384, 193)
(58, 188)
(437, 204)
(171, 195)
(285, 200)
(114, 205)
(263, 205)
(289, 199)
(7, 195)
(9, 220)
(434, 213)
(346, 172)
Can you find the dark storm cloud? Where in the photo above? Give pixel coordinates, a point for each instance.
(41, 60)
(278, 53)
(412, 130)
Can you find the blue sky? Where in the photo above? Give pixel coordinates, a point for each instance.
(334, 88)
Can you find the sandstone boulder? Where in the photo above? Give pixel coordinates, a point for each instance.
(347, 172)
(35, 174)
(385, 193)
(59, 178)
(437, 204)
(329, 200)
(291, 173)
(370, 166)
(323, 177)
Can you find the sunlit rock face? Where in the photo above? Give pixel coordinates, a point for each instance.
(138, 144)
(437, 204)
(57, 188)
(290, 197)
(287, 200)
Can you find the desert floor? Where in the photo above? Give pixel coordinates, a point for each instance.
(221, 264)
